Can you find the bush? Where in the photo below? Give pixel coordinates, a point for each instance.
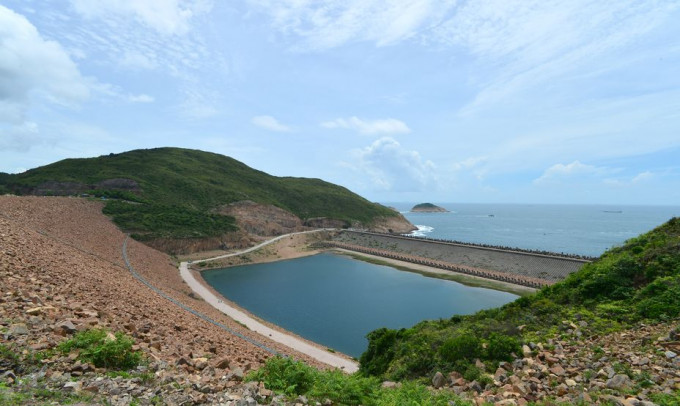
(660, 299)
(501, 347)
(380, 352)
(411, 393)
(103, 349)
(285, 375)
(471, 373)
(464, 346)
(345, 389)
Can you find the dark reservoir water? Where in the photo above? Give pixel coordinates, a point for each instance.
(335, 300)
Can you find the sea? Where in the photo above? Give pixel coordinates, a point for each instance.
(587, 230)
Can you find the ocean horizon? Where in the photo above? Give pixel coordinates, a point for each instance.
(581, 229)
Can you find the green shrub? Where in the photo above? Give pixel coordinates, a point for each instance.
(414, 394)
(380, 352)
(660, 299)
(103, 349)
(285, 375)
(464, 346)
(471, 373)
(343, 389)
(500, 347)
(8, 358)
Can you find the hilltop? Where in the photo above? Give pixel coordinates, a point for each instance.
(165, 196)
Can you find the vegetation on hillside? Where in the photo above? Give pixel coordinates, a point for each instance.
(103, 349)
(638, 281)
(425, 206)
(175, 184)
(294, 378)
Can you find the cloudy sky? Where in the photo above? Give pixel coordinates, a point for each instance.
(536, 101)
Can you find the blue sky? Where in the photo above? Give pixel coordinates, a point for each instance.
(515, 101)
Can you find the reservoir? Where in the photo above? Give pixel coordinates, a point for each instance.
(335, 300)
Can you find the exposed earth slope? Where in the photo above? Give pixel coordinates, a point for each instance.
(63, 252)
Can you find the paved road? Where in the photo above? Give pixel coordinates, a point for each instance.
(253, 324)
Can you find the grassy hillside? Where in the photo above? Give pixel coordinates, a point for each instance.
(179, 187)
(638, 281)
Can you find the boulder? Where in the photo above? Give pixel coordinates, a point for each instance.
(438, 380)
(618, 381)
(18, 329)
(65, 327)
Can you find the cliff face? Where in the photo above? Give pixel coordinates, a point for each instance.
(396, 225)
(262, 219)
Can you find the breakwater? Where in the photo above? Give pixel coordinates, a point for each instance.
(524, 268)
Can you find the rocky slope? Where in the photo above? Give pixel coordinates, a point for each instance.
(627, 368)
(62, 271)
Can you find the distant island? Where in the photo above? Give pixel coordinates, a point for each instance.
(428, 208)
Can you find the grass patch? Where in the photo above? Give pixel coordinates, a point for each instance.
(39, 396)
(103, 349)
(294, 378)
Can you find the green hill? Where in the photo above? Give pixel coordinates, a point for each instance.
(638, 282)
(174, 191)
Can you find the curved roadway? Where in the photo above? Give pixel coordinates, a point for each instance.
(288, 340)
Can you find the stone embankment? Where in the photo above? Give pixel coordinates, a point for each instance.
(467, 270)
(517, 264)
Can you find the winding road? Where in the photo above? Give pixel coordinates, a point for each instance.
(288, 340)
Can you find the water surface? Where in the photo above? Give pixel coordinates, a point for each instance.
(573, 229)
(335, 300)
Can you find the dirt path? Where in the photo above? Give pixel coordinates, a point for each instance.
(288, 340)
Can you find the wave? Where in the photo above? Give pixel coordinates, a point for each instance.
(422, 231)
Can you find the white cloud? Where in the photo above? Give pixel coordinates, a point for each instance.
(199, 103)
(642, 177)
(369, 127)
(32, 66)
(141, 98)
(19, 138)
(391, 167)
(330, 23)
(134, 59)
(575, 169)
(537, 40)
(269, 123)
(167, 17)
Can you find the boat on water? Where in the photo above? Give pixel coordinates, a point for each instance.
(612, 211)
